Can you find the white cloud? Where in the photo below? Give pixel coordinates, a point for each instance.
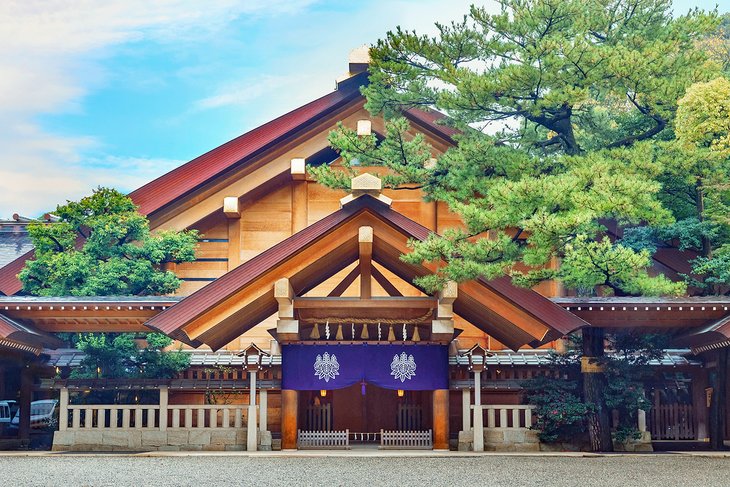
(50, 59)
(53, 54)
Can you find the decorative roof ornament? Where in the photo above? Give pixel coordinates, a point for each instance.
(363, 184)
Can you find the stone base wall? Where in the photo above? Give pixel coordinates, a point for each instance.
(643, 443)
(178, 439)
(502, 440)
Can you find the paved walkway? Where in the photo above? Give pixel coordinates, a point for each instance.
(366, 468)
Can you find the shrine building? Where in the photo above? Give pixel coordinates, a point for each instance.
(305, 329)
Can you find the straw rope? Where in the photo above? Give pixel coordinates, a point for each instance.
(370, 321)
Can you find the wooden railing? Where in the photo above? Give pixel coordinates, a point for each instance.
(413, 440)
(323, 440)
(318, 418)
(410, 417)
(672, 422)
(507, 415)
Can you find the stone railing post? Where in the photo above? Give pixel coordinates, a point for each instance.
(478, 415)
(164, 395)
(63, 409)
(251, 434)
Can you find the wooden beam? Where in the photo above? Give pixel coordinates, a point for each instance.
(345, 283)
(365, 239)
(284, 295)
(231, 207)
(422, 303)
(385, 283)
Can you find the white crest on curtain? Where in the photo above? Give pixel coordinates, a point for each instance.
(403, 367)
(326, 367)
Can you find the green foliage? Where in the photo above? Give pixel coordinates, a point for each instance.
(115, 355)
(589, 263)
(576, 96)
(102, 246)
(560, 68)
(561, 410)
(703, 116)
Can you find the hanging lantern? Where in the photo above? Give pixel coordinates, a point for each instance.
(323, 392)
(401, 393)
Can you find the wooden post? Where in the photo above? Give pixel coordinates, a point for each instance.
(594, 383)
(718, 381)
(478, 417)
(289, 412)
(263, 406)
(252, 433)
(63, 409)
(365, 240)
(441, 419)
(465, 409)
(164, 395)
(233, 214)
(299, 196)
(26, 393)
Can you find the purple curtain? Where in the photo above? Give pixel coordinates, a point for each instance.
(407, 367)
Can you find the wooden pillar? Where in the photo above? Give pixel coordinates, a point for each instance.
(365, 241)
(718, 382)
(594, 383)
(289, 413)
(478, 417)
(233, 214)
(299, 196)
(441, 419)
(26, 393)
(252, 433)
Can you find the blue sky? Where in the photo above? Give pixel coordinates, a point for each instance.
(118, 92)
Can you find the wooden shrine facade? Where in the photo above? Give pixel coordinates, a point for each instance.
(285, 262)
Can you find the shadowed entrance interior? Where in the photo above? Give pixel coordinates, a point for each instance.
(375, 410)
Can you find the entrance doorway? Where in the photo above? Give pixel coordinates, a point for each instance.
(366, 411)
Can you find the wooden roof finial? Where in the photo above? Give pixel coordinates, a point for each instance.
(363, 184)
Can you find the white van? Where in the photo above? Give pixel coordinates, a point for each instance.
(7, 411)
(42, 414)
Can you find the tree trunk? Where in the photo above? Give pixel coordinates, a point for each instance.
(594, 383)
(718, 382)
(706, 244)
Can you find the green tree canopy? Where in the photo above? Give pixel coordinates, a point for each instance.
(561, 104)
(102, 246)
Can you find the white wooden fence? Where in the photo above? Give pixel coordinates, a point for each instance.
(507, 415)
(313, 440)
(160, 416)
(406, 440)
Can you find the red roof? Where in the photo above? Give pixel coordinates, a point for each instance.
(173, 320)
(14, 334)
(181, 180)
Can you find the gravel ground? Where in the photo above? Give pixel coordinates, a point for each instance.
(493, 471)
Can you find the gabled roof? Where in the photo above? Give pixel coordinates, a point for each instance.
(236, 154)
(234, 303)
(186, 178)
(14, 334)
